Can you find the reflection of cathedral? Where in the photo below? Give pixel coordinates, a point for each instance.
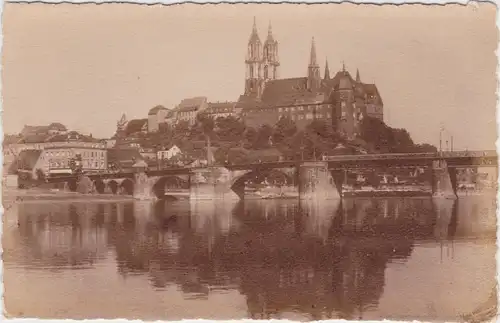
(341, 99)
(324, 261)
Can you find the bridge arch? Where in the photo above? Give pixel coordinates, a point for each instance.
(274, 176)
(99, 186)
(127, 187)
(71, 185)
(113, 186)
(169, 182)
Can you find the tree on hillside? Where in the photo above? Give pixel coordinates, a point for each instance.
(181, 130)
(229, 129)
(263, 139)
(283, 129)
(249, 137)
(401, 141)
(299, 147)
(228, 155)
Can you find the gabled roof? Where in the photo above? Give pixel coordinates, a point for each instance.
(155, 110)
(191, 104)
(28, 158)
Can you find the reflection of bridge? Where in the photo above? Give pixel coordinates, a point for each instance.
(291, 266)
(322, 179)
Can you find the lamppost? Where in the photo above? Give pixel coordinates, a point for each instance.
(441, 130)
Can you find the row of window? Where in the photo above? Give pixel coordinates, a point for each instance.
(290, 109)
(310, 116)
(219, 110)
(86, 164)
(301, 108)
(69, 153)
(188, 114)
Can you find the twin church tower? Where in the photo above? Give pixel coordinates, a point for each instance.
(262, 63)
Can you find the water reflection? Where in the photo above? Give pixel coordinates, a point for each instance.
(324, 259)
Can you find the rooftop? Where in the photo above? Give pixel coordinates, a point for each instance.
(156, 109)
(27, 159)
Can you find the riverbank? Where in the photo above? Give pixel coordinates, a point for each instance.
(38, 194)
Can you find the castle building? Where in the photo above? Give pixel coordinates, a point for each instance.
(342, 100)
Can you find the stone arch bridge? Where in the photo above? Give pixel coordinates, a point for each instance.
(313, 179)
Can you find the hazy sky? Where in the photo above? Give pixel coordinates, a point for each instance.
(84, 65)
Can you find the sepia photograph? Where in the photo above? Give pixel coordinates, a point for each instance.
(332, 161)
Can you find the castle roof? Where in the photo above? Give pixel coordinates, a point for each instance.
(345, 81)
(284, 91)
(371, 89)
(291, 91)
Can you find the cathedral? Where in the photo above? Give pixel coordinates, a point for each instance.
(341, 99)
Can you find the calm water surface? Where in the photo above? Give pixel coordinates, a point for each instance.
(362, 258)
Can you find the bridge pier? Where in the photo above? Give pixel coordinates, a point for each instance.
(143, 186)
(213, 183)
(316, 182)
(444, 180)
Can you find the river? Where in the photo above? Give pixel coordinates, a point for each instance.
(364, 258)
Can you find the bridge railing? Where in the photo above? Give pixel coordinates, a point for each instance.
(431, 155)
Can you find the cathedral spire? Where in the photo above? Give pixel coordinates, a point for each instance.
(254, 36)
(312, 59)
(313, 73)
(270, 37)
(358, 79)
(327, 70)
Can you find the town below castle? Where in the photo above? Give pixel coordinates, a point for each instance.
(302, 118)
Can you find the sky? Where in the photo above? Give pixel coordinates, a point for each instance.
(85, 65)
